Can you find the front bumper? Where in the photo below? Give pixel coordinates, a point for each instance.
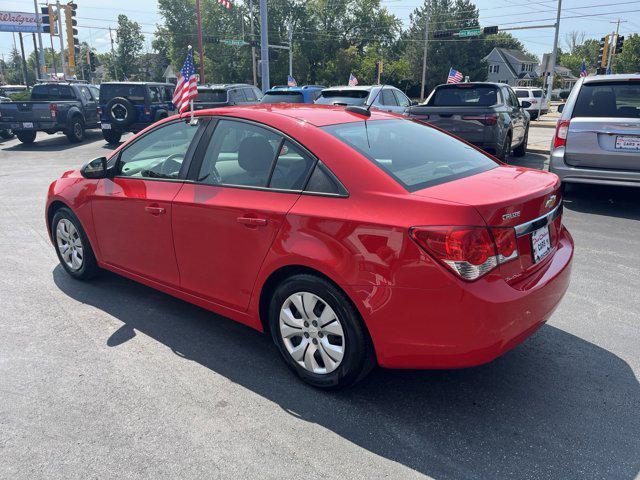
(465, 325)
(598, 176)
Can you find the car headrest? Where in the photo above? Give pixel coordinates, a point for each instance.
(255, 154)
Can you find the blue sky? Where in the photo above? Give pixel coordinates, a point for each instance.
(94, 16)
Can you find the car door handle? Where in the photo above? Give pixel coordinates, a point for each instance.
(252, 221)
(154, 210)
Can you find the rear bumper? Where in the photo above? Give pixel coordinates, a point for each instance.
(598, 176)
(465, 325)
(19, 126)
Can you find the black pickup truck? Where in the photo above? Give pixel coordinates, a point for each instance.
(54, 107)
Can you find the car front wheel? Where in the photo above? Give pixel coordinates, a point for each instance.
(72, 245)
(319, 332)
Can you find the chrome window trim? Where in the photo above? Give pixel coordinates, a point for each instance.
(529, 227)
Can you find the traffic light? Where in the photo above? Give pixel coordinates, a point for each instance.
(490, 30)
(72, 40)
(619, 44)
(604, 51)
(48, 18)
(443, 33)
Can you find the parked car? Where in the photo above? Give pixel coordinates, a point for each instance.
(285, 94)
(226, 95)
(54, 107)
(534, 96)
(351, 242)
(597, 138)
(382, 97)
(5, 133)
(484, 114)
(132, 107)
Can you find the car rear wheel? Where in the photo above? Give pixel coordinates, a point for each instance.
(319, 332)
(6, 134)
(72, 245)
(521, 150)
(26, 137)
(111, 137)
(75, 133)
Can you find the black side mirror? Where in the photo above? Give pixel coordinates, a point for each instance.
(525, 104)
(96, 168)
(561, 107)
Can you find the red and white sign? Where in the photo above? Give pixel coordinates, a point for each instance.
(18, 22)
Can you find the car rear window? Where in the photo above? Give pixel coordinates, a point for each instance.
(213, 96)
(522, 93)
(52, 92)
(464, 96)
(343, 97)
(610, 99)
(283, 97)
(414, 154)
(133, 93)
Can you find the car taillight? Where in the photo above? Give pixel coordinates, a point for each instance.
(147, 111)
(99, 110)
(53, 108)
(560, 138)
(484, 119)
(470, 252)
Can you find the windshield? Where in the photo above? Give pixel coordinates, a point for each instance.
(343, 97)
(133, 93)
(213, 96)
(464, 96)
(414, 154)
(610, 99)
(283, 97)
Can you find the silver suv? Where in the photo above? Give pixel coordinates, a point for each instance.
(597, 138)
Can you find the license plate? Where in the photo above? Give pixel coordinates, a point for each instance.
(627, 143)
(27, 125)
(106, 126)
(540, 243)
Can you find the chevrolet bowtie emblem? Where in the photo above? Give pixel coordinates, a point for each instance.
(550, 201)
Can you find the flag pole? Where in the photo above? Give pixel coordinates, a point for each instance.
(192, 120)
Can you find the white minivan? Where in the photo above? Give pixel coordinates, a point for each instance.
(534, 96)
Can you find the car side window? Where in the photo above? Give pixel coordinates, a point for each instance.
(236, 96)
(292, 167)
(250, 94)
(86, 94)
(159, 153)
(95, 92)
(507, 97)
(154, 94)
(257, 92)
(239, 153)
(402, 99)
(321, 182)
(387, 98)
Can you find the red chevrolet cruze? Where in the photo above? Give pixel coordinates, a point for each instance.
(352, 239)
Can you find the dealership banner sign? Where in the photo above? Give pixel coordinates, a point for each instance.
(18, 22)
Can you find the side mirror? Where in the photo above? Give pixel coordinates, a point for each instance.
(525, 104)
(96, 168)
(414, 103)
(561, 107)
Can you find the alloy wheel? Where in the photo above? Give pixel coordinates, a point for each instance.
(69, 244)
(312, 333)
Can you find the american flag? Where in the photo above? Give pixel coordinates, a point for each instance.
(454, 76)
(291, 82)
(225, 3)
(583, 69)
(187, 86)
(353, 81)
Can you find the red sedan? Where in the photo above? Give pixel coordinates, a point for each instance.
(353, 240)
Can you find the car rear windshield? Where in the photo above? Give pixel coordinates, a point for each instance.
(343, 97)
(213, 96)
(464, 96)
(414, 154)
(610, 99)
(529, 93)
(283, 97)
(52, 92)
(133, 93)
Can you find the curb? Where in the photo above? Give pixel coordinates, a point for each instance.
(538, 150)
(542, 125)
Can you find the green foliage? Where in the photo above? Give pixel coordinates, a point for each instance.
(629, 60)
(20, 96)
(129, 41)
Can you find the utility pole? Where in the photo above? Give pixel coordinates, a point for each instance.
(53, 56)
(39, 28)
(253, 45)
(290, 35)
(554, 53)
(37, 57)
(113, 56)
(24, 59)
(614, 42)
(424, 54)
(264, 45)
(201, 53)
(60, 35)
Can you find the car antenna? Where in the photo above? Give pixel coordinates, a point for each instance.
(366, 111)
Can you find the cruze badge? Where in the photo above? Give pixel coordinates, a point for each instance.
(509, 216)
(550, 201)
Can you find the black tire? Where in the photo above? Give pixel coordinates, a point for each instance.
(521, 150)
(6, 134)
(75, 133)
(160, 114)
(533, 115)
(111, 137)
(503, 155)
(120, 112)
(89, 267)
(358, 358)
(26, 137)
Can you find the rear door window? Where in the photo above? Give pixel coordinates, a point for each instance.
(464, 96)
(610, 99)
(414, 154)
(388, 98)
(237, 96)
(402, 99)
(213, 96)
(522, 94)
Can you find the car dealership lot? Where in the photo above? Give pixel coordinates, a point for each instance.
(113, 379)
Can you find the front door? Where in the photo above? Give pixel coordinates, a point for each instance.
(132, 211)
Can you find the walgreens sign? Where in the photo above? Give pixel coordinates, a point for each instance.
(18, 22)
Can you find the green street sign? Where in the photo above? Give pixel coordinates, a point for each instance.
(237, 43)
(470, 32)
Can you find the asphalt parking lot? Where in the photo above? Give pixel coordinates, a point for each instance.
(111, 379)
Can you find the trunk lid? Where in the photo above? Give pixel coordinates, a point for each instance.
(25, 111)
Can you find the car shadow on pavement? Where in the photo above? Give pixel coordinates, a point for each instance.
(556, 407)
(53, 143)
(530, 160)
(621, 202)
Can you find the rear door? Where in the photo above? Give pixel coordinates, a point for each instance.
(517, 115)
(89, 106)
(604, 131)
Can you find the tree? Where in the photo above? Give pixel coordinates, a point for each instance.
(629, 60)
(130, 42)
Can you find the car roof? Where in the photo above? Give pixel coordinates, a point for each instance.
(612, 77)
(490, 84)
(317, 115)
(223, 86)
(299, 88)
(356, 88)
(139, 83)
